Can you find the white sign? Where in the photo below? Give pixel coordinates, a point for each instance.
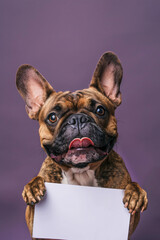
(72, 212)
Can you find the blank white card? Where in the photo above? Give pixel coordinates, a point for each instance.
(81, 213)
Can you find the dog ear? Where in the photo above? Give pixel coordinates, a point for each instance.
(33, 88)
(107, 77)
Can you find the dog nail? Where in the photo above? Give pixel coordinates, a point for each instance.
(41, 192)
(126, 205)
(38, 198)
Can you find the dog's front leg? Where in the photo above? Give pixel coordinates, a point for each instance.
(34, 191)
(135, 199)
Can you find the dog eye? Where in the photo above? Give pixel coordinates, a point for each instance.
(100, 111)
(52, 118)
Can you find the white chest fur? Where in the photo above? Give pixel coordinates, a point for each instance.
(76, 176)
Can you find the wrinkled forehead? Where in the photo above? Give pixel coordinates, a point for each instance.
(75, 101)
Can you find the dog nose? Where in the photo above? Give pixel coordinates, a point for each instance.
(78, 120)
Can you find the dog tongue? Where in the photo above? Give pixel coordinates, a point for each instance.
(81, 143)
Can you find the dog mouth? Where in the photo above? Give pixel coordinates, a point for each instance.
(81, 152)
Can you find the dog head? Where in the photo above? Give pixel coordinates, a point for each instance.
(76, 128)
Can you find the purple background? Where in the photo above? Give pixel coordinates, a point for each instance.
(64, 40)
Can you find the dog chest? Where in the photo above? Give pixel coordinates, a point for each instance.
(76, 176)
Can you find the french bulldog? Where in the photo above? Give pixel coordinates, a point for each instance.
(78, 131)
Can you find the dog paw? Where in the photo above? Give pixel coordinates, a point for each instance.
(135, 198)
(34, 191)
